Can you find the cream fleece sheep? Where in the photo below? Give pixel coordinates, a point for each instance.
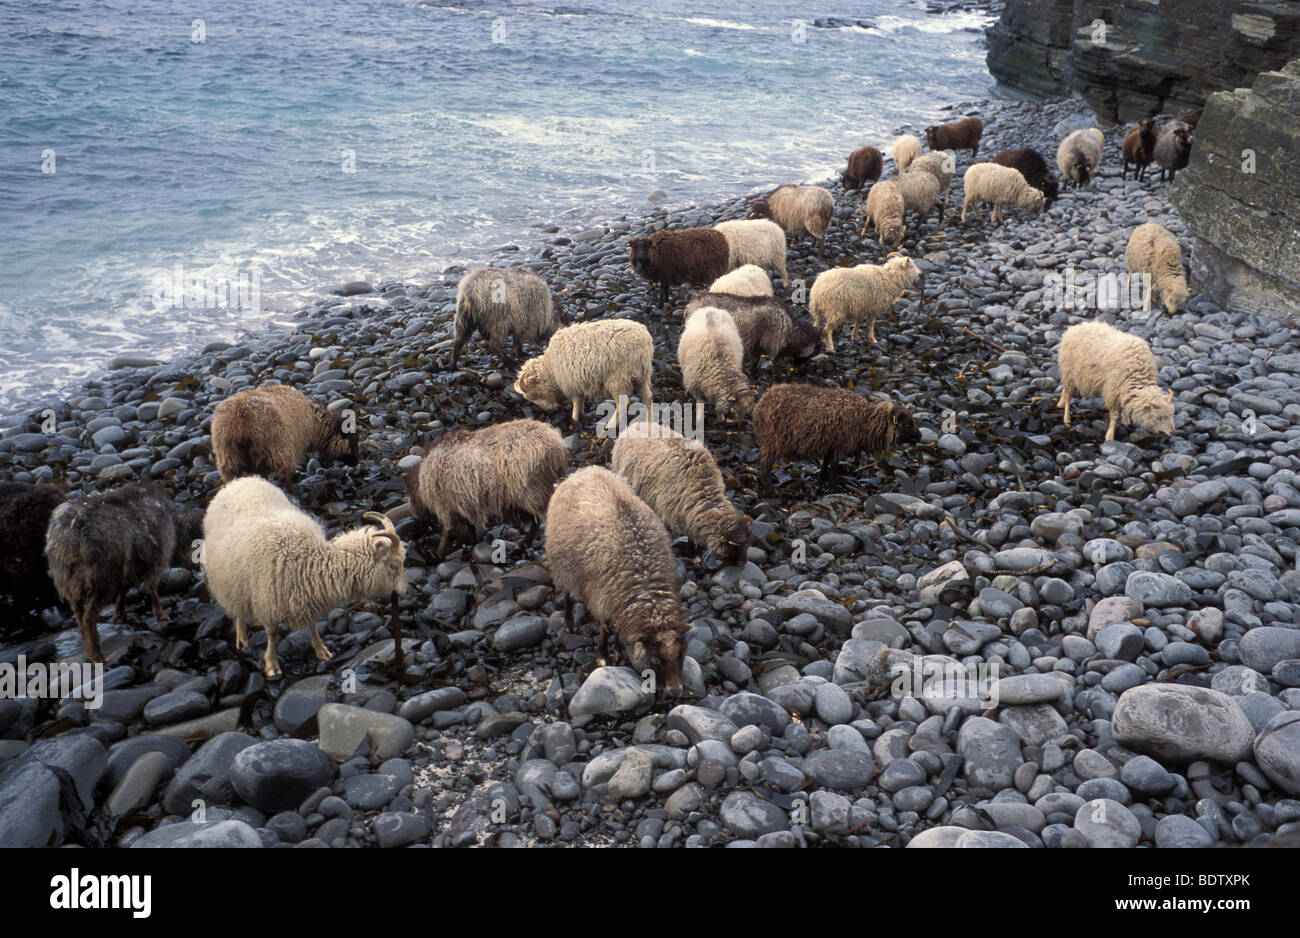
(486, 476)
(884, 209)
(680, 481)
(941, 164)
(600, 360)
(1079, 155)
(268, 563)
(1152, 250)
(850, 294)
(746, 280)
(800, 209)
(1097, 360)
(608, 550)
(1001, 185)
(903, 151)
(711, 357)
(500, 302)
(920, 194)
(758, 242)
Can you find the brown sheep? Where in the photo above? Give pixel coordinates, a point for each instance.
(801, 209)
(865, 165)
(688, 255)
(607, 549)
(828, 424)
(267, 431)
(1173, 148)
(766, 326)
(1139, 148)
(25, 511)
(959, 135)
(1192, 118)
(487, 476)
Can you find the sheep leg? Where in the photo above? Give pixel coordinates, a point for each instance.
(855, 331)
(444, 540)
(602, 649)
(577, 410)
(828, 337)
(241, 634)
(616, 419)
(158, 611)
(871, 331)
(765, 478)
(270, 663)
(318, 646)
(395, 626)
(87, 625)
(121, 607)
(532, 533)
(568, 613)
(1110, 431)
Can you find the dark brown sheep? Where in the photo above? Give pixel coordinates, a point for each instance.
(100, 546)
(1192, 118)
(267, 431)
(1139, 147)
(802, 421)
(766, 326)
(688, 255)
(865, 165)
(25, 511)
(959, 135)
(1034, 167)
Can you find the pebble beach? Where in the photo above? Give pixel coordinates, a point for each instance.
(1131, 605)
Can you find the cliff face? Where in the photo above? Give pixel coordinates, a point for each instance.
(1150, 56)
(1244, 216)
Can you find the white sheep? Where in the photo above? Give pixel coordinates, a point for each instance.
(268, 563)
(941, 164)
(711, 356)
(1079, 155)
(606, 359)
(745, 280)
(758, 242)
(884, 209)
(1001, 185)
(1097, 360)
(1152, 250)
(903, 151)
(850, 294)
(801, 209)
(920, 194)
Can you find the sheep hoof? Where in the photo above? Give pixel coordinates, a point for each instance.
(601, 662)
(323, 653)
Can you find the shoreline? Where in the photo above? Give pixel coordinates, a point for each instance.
(1067, 531)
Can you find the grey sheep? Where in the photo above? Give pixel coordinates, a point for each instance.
(500, 302)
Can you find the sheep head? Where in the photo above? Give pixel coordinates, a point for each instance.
(803, 340)
(638, 253)
(901, 425)
(893, 234)
(731, 545)
(535, 384)
(661, 652)
(1153, 410)
(344, 446)
(1174, 296)
(760, 209)
(387, 573)
(1051, 190)
(1032, 198)
(931, 133)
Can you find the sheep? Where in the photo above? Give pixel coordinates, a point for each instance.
(25, 510)
(606, 549)
(1192, 118)
(1097, 360)
(1152, 250)
(1033, 166)
(745, 280)
(959, 135)
(1079, 155)
(903, 151)
(487, 476)
(765, 324)
(269, 430)
(801, 209)
(100, 546)
(1173, 148)
(268, 563)
(884, 210)
(711, 358)
(503, 301)
(604, 359)
(920, 194)
(941, 165)
(759, 242)
(865, 164)
(679, 480)
(1139, 148)
(688, 255)
(1001, 185)
(803, 421)
(851, 294)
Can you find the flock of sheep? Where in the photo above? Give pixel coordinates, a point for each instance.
(269, 564)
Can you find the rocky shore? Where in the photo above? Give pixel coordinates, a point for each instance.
(1133, 601)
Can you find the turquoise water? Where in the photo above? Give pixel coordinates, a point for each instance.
(303, 144)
